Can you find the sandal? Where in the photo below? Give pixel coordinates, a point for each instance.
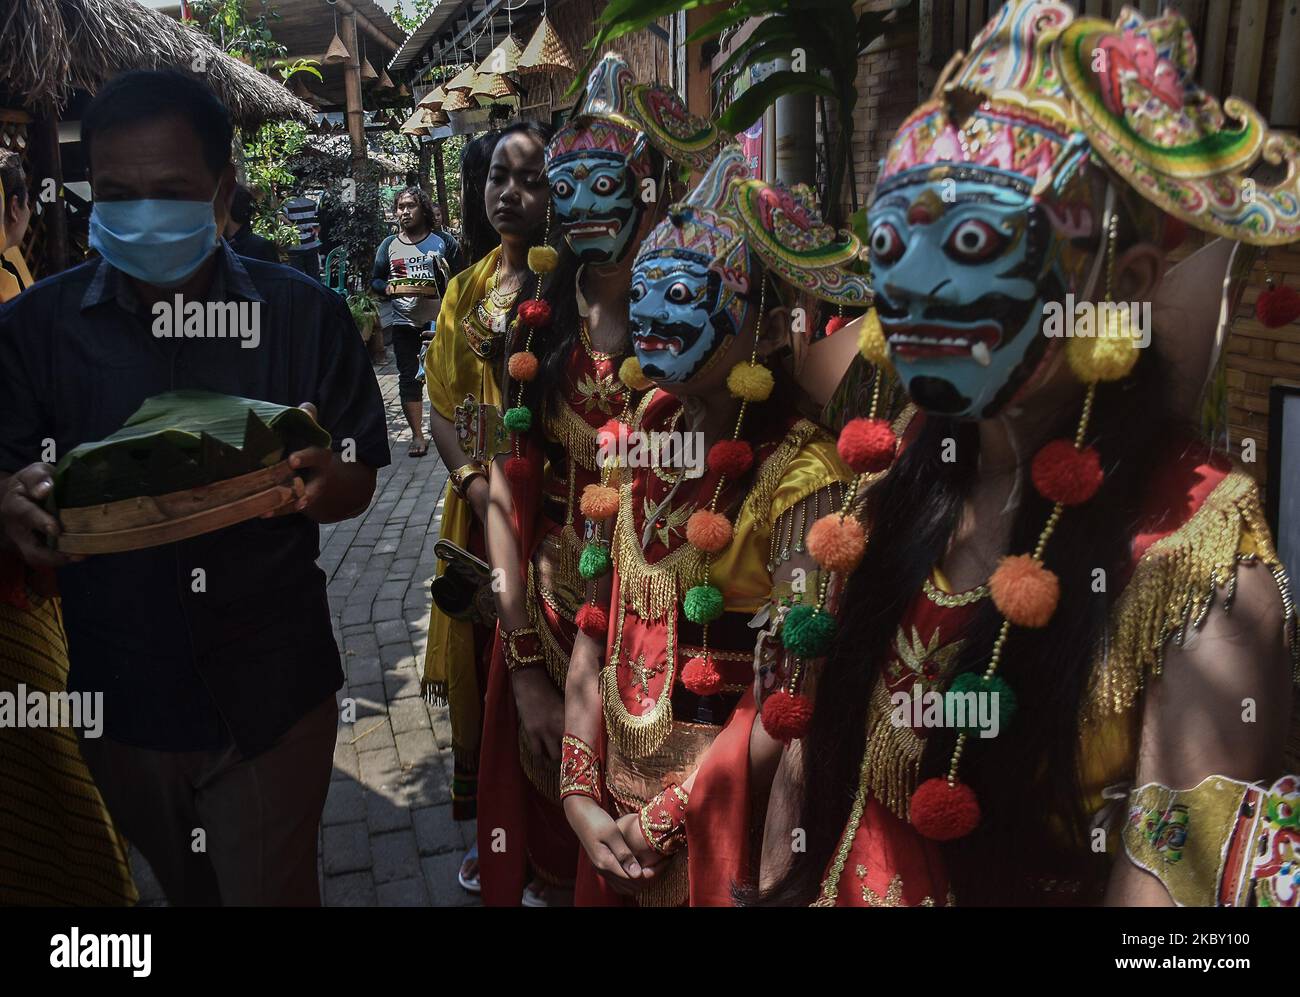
(418, 449)
(469, 881)
(534, 895)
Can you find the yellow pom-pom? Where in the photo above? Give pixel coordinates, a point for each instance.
(599, 501)
(750, 382)
(871, 340)
(631, 374)
(542, 259)
(1108, 356)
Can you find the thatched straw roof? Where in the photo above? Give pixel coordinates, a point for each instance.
(50, 47)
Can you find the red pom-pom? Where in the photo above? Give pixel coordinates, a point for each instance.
(522, 366)
(708, 531)
(1277, 305)
(1024, 591)
(593, 621)
(944, 812)
(731, 457)
(701, 677)
(837, 543)
(786, 717)
(518, 471)
(1066, 475)
(836, 324)
(867, 445)
(610, 433)
(534, 313)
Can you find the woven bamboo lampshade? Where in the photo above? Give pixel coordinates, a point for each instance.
(433, 99)
(464, 80)
(545, 52)
(417, 123)
(458, 100)
(337, 52)
(493, 85)
(385, 83)
(502, 59)
(368, 74)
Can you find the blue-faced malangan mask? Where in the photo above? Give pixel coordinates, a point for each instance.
(679, 322)
(962, 269)
(156, 241)
(596, 201)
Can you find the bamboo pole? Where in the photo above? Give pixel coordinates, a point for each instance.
(352, 93)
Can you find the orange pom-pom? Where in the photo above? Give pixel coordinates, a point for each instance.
(944, 812)
(708, 531)
(522, 366)
(1024, 591)
(701, 677)
(837, 543)
(593, 621)
(786, 717)
(731, 458)
(836, 324)
(599, 501)
(1063, 474)
(867, 445)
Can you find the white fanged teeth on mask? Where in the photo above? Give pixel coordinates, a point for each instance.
(980, 351)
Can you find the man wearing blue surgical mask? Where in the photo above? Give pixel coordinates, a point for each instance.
(218, 698)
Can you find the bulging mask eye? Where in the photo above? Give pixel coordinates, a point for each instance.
(604, 185)
(562, 189)
(679, 293)
(637, 292)
(886, 244)
(974, 241)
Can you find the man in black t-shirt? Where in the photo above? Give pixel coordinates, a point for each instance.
(214, 656)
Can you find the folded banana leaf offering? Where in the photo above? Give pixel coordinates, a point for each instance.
(180, 440)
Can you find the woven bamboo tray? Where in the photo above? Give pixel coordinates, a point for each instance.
(149, 521)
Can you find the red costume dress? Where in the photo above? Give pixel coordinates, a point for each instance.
(656, 730)
(521, 793)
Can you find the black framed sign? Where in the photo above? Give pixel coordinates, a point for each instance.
(1283, 497)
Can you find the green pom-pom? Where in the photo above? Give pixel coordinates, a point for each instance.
(807, 631)
(703, 603)
(593, 561)
(519, 419)
(978, 684)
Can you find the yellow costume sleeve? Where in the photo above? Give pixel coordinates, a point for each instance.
(452, 370)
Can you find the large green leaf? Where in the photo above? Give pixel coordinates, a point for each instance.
(182, 439)
(746, 108)
(737, 14)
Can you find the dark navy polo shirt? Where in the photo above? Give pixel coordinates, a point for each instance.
(248, 656)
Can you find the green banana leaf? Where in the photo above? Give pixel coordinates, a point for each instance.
(179, 440)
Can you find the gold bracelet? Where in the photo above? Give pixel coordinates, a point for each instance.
(522, 647)
(461, 477)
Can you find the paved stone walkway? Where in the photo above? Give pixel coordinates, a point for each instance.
(387, 836)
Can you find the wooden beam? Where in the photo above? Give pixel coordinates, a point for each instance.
(352, 93)
(1215, 49)
(1251, 27)
(368, 26)
(1285, 112)
(43, 132)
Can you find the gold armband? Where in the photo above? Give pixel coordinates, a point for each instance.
(460, 478)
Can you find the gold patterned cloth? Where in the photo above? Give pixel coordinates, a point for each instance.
(1221, 843)
(57, 842)
(452, 372)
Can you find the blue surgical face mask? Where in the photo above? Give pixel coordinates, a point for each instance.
(159, 242)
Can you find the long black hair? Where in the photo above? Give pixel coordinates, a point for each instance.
(1028, 778)
(479, 236)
